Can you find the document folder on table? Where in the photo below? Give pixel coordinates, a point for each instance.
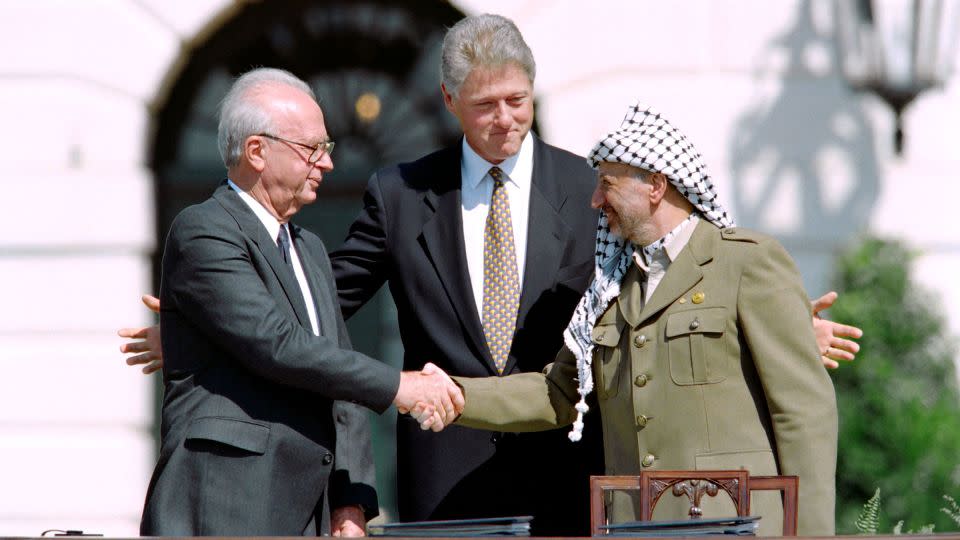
(507, 526)
(736, 526)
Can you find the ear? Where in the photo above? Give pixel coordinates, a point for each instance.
(254, 151)
(658, 187)
(447, 97)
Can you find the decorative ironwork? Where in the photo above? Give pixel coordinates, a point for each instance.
(694, 489)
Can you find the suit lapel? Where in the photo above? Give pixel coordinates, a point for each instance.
(442, 239)
(546, 234)
(318, 278)
(254, 229)
(681, 276)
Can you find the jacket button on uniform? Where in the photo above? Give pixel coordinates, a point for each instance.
(695, 324)
(327, 459)
(642, 420)
(641, 380)
(647, 460)
(639, 341)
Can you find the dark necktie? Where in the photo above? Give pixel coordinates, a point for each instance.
(283, 243)
(501, 286)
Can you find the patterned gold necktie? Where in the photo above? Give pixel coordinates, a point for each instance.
(501, 286)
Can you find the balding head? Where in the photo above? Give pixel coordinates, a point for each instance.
(242, 112)
(274, 141)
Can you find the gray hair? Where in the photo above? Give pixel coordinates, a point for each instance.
(482, 40)
(240, 114)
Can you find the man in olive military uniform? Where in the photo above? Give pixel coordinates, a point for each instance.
(696, 335)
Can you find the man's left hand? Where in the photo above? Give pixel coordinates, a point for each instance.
(348, 521)
(831, 336)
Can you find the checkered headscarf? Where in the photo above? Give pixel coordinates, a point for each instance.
(647, 141)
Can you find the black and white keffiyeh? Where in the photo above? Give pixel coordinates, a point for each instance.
(645, 140)
(612, 256)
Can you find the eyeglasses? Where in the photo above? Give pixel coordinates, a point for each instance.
(317, 152)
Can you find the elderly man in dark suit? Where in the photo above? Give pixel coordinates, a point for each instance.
(480, 293)
(255, 347)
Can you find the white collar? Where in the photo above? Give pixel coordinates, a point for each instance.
(671, 243)
(265, 217)
(517, 167)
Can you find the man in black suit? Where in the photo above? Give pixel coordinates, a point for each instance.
(423, 230)
(256, 352)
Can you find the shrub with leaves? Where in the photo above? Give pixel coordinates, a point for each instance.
(899, 402)
(869, 517)
(952, 509)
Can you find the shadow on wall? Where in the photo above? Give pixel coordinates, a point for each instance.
(803, 162)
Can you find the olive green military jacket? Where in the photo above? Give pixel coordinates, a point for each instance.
(719, 370)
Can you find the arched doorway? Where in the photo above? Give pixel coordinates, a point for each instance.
(374, 64)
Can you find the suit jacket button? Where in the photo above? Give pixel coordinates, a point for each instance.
(648, 460)
(695, 324)
(642, 420)
(641, 380)
(640, 341)
(327, 459)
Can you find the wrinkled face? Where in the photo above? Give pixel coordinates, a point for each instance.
(625, 199)
(495, 110)
(288, 177)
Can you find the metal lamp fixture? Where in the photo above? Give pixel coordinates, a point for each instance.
(897, 49)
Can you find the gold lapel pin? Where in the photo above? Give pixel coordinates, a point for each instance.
(698, 297)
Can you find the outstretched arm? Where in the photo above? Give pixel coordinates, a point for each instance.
(798, 392)
(519, 403)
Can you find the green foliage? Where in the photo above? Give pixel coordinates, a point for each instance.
(952, 509)
(926, 529)
(899, 402)
(869, 517)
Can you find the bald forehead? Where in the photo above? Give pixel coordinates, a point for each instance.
(294, 112)
(283, 98)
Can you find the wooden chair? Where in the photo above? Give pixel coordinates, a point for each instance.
(694, 484)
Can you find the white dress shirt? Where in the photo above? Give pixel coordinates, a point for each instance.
(476, 191)
(273, 230)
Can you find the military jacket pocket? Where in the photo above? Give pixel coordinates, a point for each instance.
(606, 359)
(695, 346)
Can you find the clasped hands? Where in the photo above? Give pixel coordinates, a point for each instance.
(430, 396)
(434, 400)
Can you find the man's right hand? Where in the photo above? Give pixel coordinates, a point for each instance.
(430, 390)
(151, 354)
(426, 414)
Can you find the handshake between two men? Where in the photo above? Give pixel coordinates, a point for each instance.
(430, 396)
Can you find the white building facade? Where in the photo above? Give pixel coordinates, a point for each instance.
(754, 85)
